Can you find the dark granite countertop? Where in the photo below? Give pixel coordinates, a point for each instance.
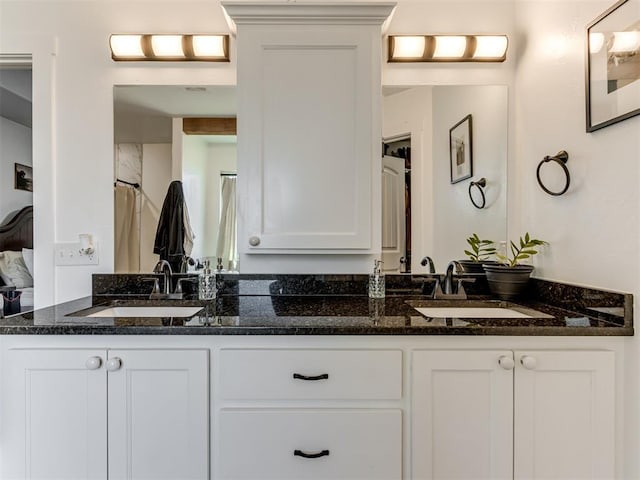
(331, 314)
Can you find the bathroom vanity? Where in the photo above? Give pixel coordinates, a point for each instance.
(273, 381)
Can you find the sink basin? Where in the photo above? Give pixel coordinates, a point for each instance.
(154, 311)
(473, 309)
(471, 312)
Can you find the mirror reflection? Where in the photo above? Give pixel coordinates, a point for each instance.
(424, 213)
(429, 163)
(154, 146)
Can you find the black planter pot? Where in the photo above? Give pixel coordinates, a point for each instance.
(470, 266)
(507, 282)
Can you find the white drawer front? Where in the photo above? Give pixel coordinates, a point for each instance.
(310, 374)
(353, 444)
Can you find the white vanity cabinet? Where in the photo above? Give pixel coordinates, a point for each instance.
(59, 407)
(310, 414)
(309, 116)
(311, 407)
(521, 414)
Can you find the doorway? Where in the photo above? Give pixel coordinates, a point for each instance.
(396, 204)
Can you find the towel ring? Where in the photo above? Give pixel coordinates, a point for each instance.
(561, 159)
(480, 184)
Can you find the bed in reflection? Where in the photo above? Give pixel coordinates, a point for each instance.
(16, 257)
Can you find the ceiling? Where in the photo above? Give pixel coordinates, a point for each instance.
(15, 94)
(143, 113)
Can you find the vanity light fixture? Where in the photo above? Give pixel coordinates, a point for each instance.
(447, 48)
(172, 48)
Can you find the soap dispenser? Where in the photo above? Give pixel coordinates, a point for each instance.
(376, 281)
(207, 283)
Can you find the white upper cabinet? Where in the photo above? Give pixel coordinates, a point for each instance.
(309, 113)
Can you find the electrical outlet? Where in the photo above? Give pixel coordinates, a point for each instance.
(70, 254)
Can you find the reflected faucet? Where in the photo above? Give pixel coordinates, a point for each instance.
(447, 291)
(448, 277)
(428, 261)
(164, 267)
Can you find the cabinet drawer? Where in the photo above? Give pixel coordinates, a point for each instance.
(310, 374)
(351, 444)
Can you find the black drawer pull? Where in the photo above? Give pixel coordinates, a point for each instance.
(300, 453)
(324, 376)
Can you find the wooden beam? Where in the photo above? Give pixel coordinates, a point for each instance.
(209, 126)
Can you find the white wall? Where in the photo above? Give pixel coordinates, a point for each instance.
(156, 177)
(15, 147)
(221, 158)
(599, 213)
(195, 186)
(202, 164)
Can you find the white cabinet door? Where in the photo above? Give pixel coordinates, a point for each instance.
(54, 415)
(158, 414)
(394, 220)
(462, 415)
(308, 138)
(564, 418)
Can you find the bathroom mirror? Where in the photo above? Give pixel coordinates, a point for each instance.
(427, 191)
(439, 214)
(151, 150)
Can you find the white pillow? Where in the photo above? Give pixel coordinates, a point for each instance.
(27, 256)
(13, 270)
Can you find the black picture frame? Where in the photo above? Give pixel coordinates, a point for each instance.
(461, 150)
(23, 175)
(613, 66)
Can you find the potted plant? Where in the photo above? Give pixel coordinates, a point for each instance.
(509, 278)
(479, 253)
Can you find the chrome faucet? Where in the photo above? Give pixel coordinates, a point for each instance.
(164, 267)
(428, 261)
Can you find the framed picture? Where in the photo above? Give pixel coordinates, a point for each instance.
(613, 66)
(23, 177)
(460, 150)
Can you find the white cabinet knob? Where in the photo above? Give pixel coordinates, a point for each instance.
(528, 362)
(506, 362)
(93, 363)
(254, 241)
(114, 364)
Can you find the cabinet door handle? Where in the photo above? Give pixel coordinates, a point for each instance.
(114, 364)
(93, 363)
(300, 453)
(506, 362)
(530, 363)
(324, 376)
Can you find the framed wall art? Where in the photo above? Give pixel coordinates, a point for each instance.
(613, 65)
(460, 150)
(23, 177)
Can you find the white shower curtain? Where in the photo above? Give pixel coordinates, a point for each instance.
(226, 247)
(127, 231)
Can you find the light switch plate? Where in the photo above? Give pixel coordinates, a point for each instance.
(69, 254)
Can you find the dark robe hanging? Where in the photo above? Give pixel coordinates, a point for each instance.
(169, 243)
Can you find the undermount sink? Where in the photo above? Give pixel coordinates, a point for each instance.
(148, 311)
(471, 312)
(474, 309)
